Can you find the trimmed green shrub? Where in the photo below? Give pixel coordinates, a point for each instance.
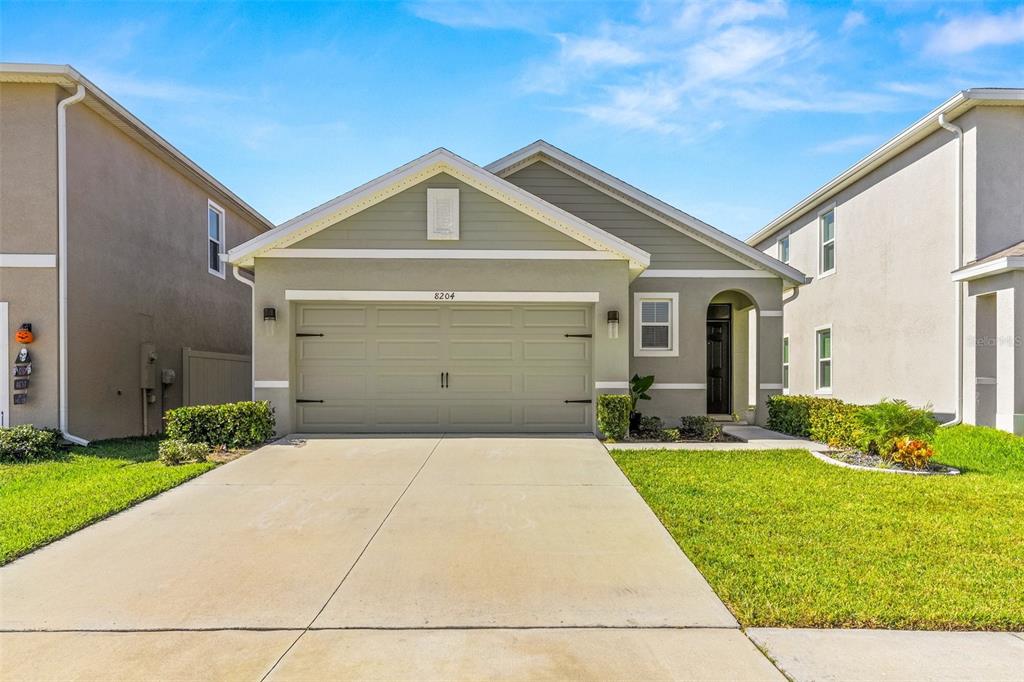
(26, 443)
(833, 422)
(790, 414)
(234, 425)
(880, 426)
(649, 428)
(613, 415)
(671, 435)
(174, 452)
(699, 427)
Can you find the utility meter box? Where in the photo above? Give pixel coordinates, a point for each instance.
(147, 365)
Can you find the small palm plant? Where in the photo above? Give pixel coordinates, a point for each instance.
(638, 387)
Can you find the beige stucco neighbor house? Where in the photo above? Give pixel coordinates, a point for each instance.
(110, 243)
(445, 296)
(916, 255)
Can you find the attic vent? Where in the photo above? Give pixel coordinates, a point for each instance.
(442, 213)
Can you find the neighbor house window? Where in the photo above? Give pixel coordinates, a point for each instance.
(656, 324)
(785, 364)
(824, 360)
(215, 238)
(784, 248)
(827, 233)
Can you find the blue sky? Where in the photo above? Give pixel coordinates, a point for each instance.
(732, 111)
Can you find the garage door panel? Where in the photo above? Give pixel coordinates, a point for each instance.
(560, 349)
(331, 350)
(408, 349)
(337, 316)
(379, 368)
(481, 349)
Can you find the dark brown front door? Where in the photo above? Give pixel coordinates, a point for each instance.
(719, 358)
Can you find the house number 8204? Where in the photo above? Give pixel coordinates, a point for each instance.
(444, 295)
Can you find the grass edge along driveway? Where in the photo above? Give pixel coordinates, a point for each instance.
(786, 540)
(44, 501)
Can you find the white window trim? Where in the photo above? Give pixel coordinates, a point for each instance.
(786, 363)
(818, 390)
(785, 236)
(821, 243)
(673, 349)
(222, 273)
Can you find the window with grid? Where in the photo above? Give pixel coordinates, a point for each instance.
(215, 238)
(656, 324)
(827, 258)
(824, 372)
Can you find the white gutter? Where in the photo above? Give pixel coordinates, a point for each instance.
(62, 258)
(958, 263)
(252, 326)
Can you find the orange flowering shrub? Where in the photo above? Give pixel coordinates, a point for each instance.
(912, 453)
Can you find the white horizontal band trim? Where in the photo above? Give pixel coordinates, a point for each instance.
(28, 260)
(985, 381)
(611, 384)
(994, 267)
(676, 387)
(771, 313)
(771, 387)
(706, 274)
(455, 254)
(266, 383)
(440, 296)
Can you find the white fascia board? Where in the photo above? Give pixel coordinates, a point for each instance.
(444, 296)
(440, 254)
(418, 170)
(988, 269)
(644, 202)
(709, 274)
(954, 107)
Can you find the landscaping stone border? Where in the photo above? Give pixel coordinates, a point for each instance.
(846, 465)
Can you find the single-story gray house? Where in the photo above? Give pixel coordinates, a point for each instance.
(445, 296)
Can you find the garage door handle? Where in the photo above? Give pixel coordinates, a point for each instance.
(303, 400)
(302, 334)
(579, 401)
(579, 336)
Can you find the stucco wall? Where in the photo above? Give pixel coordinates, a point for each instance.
(28, 224)
(138, 273)
(890, 301)
(690, 367)
(273, 276)
(1000, 178)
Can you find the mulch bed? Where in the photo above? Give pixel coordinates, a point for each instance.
(870, 461)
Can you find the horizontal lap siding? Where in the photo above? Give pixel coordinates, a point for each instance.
(400, 222)
(669, 248)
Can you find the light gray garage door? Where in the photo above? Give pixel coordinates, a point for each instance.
(370, 368)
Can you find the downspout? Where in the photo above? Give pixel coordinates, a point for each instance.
(957, 264)
(62, 259)
(252, 328)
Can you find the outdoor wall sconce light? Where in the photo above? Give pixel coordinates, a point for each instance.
(269, 318)
(613, 324)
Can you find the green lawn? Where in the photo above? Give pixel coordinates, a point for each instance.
(786, 540)
(43, 501)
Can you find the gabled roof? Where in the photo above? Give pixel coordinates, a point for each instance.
(954, 107)
(1010, 258)
(438, 161)
(640, 200)
(68, 78)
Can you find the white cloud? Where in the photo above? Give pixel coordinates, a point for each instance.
(845, 144)
(853, 20)
(743, 11)
(598, 51)
(739, 50)
(965, 34)
(495, 14)
(130, 86)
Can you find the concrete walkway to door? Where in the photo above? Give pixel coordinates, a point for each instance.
(420, 557)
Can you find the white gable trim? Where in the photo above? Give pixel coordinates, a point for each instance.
(440, 254)
(646, 204)
(415, 172)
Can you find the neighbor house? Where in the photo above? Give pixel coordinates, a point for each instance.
(916, 255)
(445, 296)
(110, 243)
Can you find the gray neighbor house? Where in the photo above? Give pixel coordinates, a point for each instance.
(916, 259)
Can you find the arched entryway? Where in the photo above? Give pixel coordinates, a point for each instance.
(731, 352)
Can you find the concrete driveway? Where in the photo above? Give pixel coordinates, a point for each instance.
(427, 557)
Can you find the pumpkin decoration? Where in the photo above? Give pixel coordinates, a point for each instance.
(24, 334)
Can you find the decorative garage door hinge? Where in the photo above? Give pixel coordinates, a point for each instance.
(307, 334)
(579, 336)
(303, 400)
(588, 400)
